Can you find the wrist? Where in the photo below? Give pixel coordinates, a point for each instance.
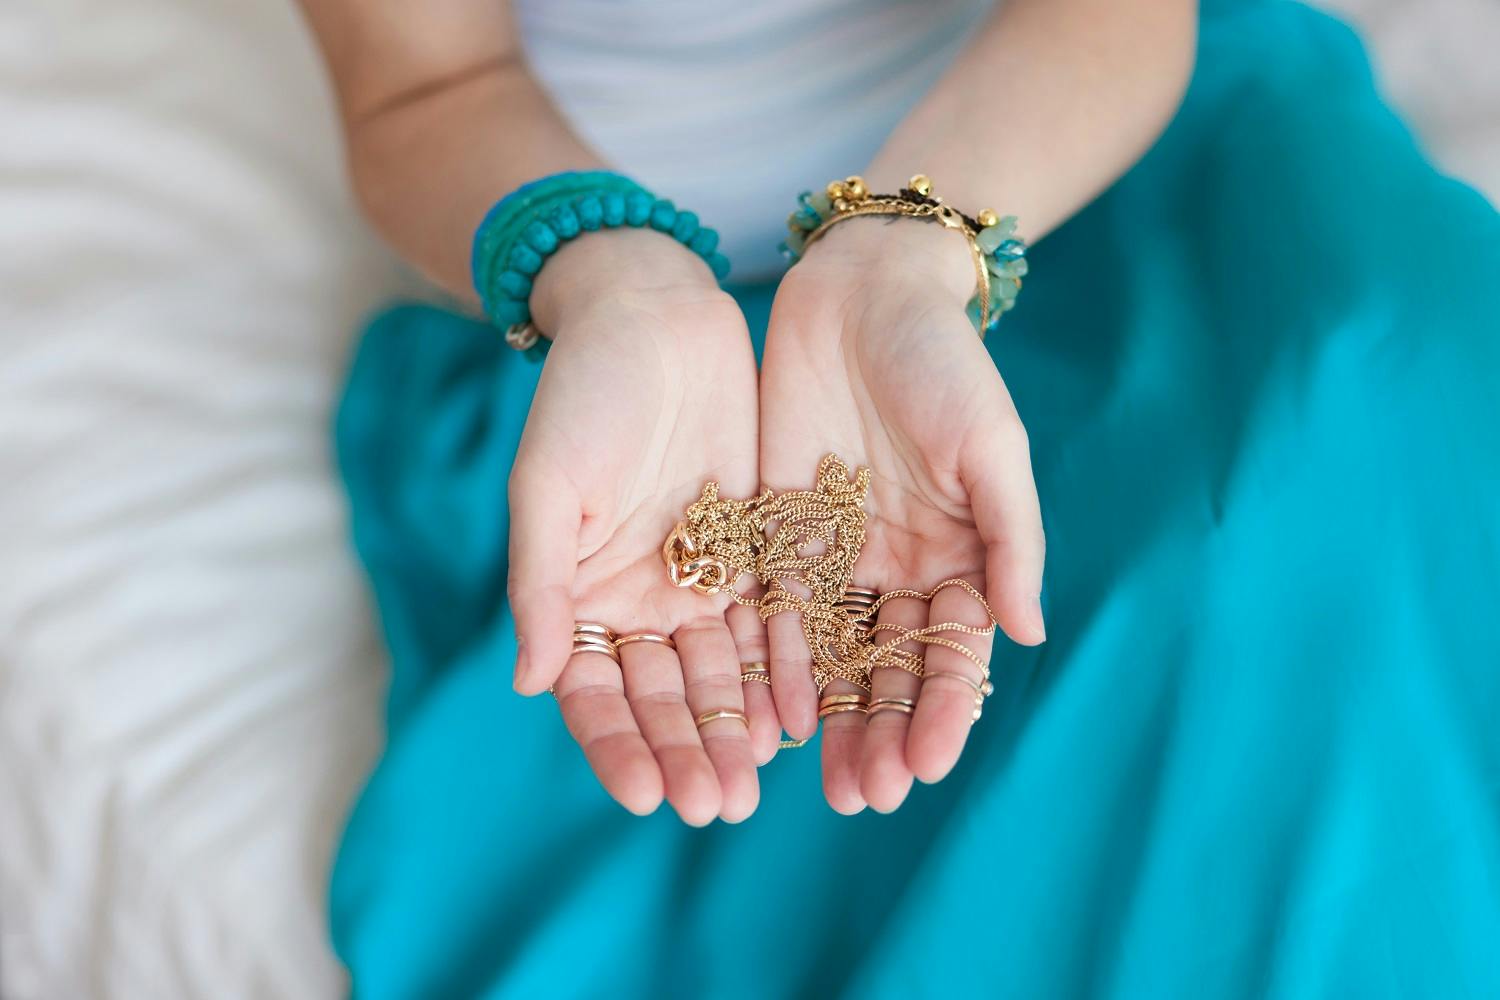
(617, 269)
(896, 256)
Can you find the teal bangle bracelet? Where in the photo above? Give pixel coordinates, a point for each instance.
(528, 225)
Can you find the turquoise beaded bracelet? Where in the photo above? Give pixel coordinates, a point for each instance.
(999, 254)
(528, 225)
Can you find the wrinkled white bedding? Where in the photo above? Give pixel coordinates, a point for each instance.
(189, 681)
(189, 684)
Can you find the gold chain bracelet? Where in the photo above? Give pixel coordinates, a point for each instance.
(997, 253)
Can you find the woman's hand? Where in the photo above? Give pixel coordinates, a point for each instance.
(870, 355)
(649, 390)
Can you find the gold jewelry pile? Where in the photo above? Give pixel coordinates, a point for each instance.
(811, 539)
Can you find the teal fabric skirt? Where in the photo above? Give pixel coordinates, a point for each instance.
(1258, 757)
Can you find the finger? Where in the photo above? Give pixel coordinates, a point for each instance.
(791, 675)
(545, 517)
(751, 649)
(710, 668)
(885, 778)
(654, 688)
(947, 703)
(843, 738)
(591, 694)
(1002, 494)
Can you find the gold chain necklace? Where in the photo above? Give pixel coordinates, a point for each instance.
(809, 540)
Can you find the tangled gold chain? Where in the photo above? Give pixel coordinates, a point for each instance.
(809, 540)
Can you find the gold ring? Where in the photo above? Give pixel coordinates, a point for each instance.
(844, 699)
(906, 706)
(824, 713)
(976, 686)
(982, 689)
(594, 628)
(755, 671)
(587, 645)
(721, 713)
(861, 593)
(655, 637)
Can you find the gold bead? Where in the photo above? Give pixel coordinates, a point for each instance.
(840, 205)
(835, 190)
(921, 184)
(855, 188)
(988, 218)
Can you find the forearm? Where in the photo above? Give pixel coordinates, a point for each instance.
(441, 118)
(1048, 104)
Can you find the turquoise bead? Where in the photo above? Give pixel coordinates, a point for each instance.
(509, 312)
(815, 205)
(1002, 288)
(638, 208)
(786, 252)
(614, 209)
(1007, 226)
(989, 239)
(705, 242)
(806, 219)
(515, 284)
(1007, 268)
(685, 228)
(719, 264)
(540, 237)
(1012, 248)
(796, 242)
(590, 212)
(525, 259)
(663, 215)
(565, 221)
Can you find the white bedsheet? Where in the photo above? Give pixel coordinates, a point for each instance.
(189, 682)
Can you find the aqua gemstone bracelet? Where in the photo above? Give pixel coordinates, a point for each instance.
(528, 225)
(999, 254)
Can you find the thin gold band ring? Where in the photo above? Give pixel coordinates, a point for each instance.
(583, 644)
(721, 713)
(655, 637)
(970, 682)
(906, 706)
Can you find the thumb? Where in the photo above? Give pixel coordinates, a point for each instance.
(545, 518)
(1002, 495)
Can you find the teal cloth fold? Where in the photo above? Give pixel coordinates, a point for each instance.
(1258, 757)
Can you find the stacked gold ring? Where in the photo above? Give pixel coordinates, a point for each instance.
(756, 672)
(591, 637)
(835, 704)
(857, 603)
(906, 706)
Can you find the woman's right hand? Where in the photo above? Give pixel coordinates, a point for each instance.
(649, 390)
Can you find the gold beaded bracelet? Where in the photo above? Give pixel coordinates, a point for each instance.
(998, 255)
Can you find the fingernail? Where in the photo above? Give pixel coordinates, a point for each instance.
(520, 663)
(1039, 626)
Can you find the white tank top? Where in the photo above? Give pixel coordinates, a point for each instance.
(731, 107)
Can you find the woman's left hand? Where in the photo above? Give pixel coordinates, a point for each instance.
(870, 355)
